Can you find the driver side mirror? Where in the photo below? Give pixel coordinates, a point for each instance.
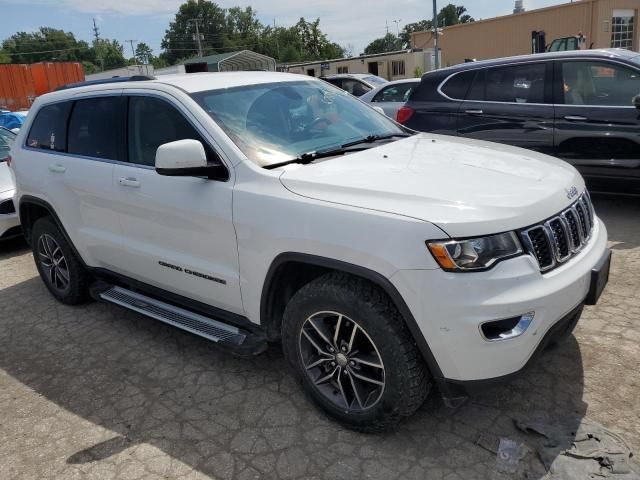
(636, 101)
(187, 158)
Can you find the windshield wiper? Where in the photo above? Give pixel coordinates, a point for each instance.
(309, 157)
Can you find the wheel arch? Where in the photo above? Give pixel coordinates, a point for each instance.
(33, 208)
(289, 271)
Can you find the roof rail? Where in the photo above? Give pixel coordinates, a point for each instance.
(133, 78)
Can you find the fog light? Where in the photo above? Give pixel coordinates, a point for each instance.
(506, 328)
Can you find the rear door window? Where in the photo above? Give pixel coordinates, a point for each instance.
(49, 129)
(395, 93)
(96, 128)
(355, 87)
(516, 83)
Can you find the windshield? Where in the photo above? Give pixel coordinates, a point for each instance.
(375, 80)
(276, 122)
(635, 59)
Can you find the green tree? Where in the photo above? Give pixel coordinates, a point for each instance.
(108, 54)
(388, 43)
(4, 57)
(179, 40)
(448, 15)
(452, 15)
(144, 53)
(45, 44)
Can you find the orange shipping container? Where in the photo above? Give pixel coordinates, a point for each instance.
(21, 84)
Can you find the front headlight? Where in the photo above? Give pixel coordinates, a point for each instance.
(474, 253)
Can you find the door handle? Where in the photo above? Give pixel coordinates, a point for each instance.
(57, 168)
(129, 182)
(576, 118)
(474, 112)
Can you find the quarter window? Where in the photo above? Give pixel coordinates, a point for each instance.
(515, 83)
(457, 86)
(96, 128)
(153, 122)
(49, 129)
(599, 83)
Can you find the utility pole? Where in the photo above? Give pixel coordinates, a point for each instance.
(197, 36)
(97, 46)
(387, 35)
(275, 33)
(133, 52)
(397, 22)
(435, 34)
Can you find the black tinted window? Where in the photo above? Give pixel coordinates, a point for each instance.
(153, 122)
(517, 83)
(49, 129)
(599, 83)
(395, 93)
(458, 85)
(96, 128)
(355, 87)
(476, 92)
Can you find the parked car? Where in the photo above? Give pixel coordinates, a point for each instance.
(356, 84)
(13, 120)
(9, 221)
(576, 105)
(249, 207)
(391, 96)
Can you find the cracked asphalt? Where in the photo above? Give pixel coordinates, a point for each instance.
(97, 392)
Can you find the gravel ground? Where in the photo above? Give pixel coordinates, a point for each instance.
(98, 392)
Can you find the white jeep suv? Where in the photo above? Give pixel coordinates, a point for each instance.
(254, 207)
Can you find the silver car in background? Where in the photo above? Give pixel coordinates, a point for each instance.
(391, 96)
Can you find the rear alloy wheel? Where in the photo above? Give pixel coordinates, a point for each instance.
(60, 269)
(349, 347)
(53, 262)
(342, 361)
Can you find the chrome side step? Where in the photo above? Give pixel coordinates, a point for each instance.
(178, 317)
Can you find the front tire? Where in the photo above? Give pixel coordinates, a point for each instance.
(60, 269)
(348, 345)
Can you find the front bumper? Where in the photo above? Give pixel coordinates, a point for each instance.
(449, 309)
(9, 222)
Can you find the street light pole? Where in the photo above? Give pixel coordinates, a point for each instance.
(435, 34)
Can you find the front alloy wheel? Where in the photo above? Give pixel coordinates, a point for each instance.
(342, 361)
(349, 347)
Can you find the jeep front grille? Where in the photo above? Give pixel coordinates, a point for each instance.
(562, 236)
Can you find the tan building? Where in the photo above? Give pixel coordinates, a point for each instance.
(604, 24)
(391, 65)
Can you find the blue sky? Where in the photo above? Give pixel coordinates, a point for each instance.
(355, 22)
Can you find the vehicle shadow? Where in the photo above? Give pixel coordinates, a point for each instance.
(12, 247)
(615, 212)
(229, 417)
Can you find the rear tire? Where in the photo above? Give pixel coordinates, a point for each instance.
(369, 381)
(60, 269)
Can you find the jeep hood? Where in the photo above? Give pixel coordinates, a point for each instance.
(466, 187)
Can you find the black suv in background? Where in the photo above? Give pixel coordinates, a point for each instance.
(581, 106)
